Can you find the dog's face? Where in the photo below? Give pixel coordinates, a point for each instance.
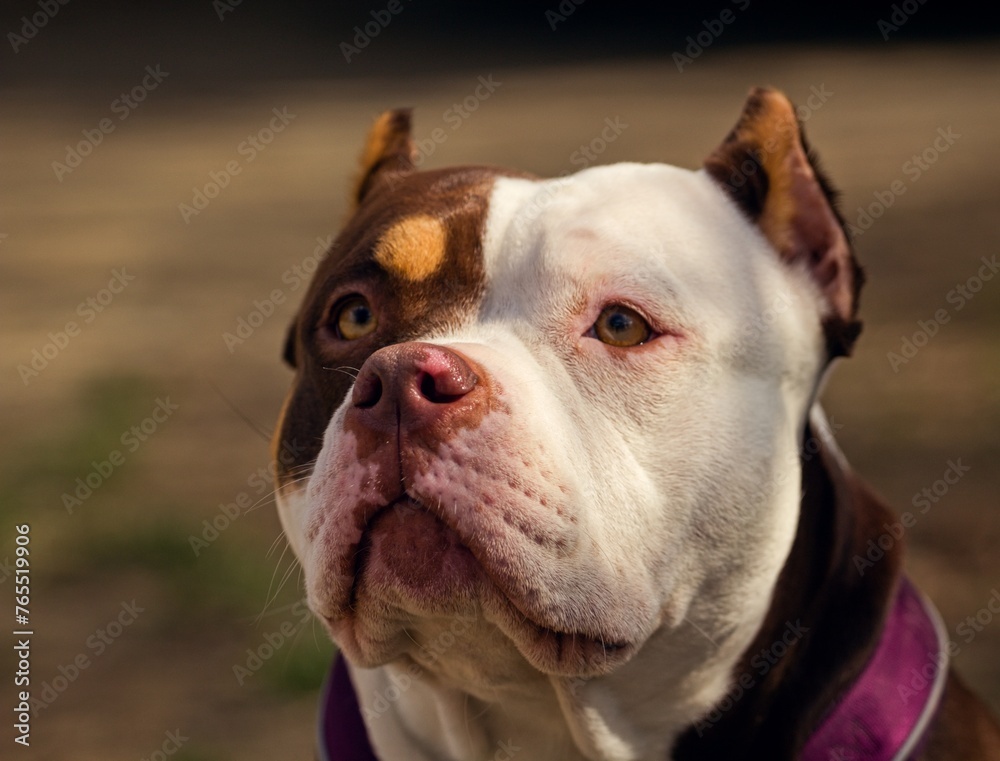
(566, 412)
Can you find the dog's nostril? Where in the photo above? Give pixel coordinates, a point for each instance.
(430, 391)
(367, 391)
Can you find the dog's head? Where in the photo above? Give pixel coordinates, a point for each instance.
(567, 411)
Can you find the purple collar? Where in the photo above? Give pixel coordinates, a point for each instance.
(342, 733)
(883, 716)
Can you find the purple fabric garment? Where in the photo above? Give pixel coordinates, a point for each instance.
(342, 733)
(883, 716)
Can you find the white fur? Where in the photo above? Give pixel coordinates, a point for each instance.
(679, 459)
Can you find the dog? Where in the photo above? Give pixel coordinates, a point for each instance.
(560, 484)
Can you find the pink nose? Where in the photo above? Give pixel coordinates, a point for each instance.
(410, 385)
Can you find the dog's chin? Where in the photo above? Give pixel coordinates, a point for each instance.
(411, 567)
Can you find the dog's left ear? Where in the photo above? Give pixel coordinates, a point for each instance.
(288, 352)
(389, 152)
(767, 168)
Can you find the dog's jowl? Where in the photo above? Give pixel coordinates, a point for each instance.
(562, 489)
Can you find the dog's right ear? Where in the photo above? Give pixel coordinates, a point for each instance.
(389, 152)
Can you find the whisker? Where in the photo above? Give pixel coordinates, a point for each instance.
(274, 544)
(255, 427)
(286, 574)
(275, 572)
(267, 498)
(347, 370)
(268, 599)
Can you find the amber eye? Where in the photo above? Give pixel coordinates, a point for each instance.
(618, 325)
(354, 318)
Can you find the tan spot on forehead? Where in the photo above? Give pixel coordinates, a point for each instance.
(413, 248)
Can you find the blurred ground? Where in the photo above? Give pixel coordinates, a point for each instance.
(160, 342)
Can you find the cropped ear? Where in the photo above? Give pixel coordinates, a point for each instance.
(767, 168)
(389, 151)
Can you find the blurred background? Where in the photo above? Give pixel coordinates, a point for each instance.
(170, 174)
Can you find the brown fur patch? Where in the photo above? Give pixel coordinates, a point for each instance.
(450, 287)
(413, 248)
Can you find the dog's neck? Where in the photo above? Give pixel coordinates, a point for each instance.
(642, 711)
(821, 585)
